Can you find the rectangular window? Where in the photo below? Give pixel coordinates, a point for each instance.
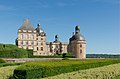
(37, 43)
(41, 43)
(37, 48)
(41, 48)
(41, 38)
(26, 42)
(80, 51)
(32, 43)
(22, 42)
(81, 45)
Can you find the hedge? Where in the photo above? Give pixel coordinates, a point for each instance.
(9, 64)
(51, 68)
(105, 72)
(2, 61)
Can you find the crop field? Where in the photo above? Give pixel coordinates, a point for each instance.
(105, 72)
(6, 72)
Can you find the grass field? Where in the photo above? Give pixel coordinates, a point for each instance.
(6, 72)
(105, 72)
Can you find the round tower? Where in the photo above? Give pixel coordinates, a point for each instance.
(78, 44)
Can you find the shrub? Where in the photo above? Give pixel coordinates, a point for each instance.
(63, 55)
(51, 68)
(2, 61)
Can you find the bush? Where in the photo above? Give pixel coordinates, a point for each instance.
(2, 61)
(63, 55)
(51, 68)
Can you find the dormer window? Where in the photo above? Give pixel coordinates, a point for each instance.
(19, 30)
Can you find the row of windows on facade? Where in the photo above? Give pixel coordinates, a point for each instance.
(23, 36)
(40, 48)
(26, 43)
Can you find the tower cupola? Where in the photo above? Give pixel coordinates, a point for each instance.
(77, 29)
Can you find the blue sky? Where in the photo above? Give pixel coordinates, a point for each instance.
(99, 21)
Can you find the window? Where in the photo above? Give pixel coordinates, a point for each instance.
(26, 42)
(21, 36)
(37, 48)
(80, 51)
(81, 45)
(41, 38)
(37, 43)
(41, 43)
(21, 42)
(32, 37)
(32, 42)
(41, 48)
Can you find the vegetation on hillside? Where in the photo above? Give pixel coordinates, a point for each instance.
(12, 51)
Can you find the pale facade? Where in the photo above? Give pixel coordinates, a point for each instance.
(35, 39)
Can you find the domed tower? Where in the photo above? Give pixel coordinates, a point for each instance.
(77, 44)
(56, 38)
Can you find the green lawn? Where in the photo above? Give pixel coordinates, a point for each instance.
(7, 71)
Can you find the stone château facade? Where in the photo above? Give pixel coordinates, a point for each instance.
(35, 39)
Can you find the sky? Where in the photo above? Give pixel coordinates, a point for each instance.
(99, 21)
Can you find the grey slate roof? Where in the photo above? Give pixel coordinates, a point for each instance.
(26, 25)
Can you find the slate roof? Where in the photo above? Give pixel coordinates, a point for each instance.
(26, 25)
